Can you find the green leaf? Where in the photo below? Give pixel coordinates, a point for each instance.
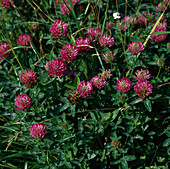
(136, 101)
(65, 107)
(115, 113)
(166, 143)
(148, 105)
(129, 158)
(70, 86)
(124, 165)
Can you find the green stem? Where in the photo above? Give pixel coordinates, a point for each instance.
(158, 72)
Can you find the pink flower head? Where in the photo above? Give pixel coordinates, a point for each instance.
(75, 1)
(98, 81)
(123, 25)
(57, 67)
(123, 85)
(109, 25)
(69, 52)
(106, 40)
(28, 78)
(106, 74)
(6, 3)
(142, 74)
(38, 130)
(3, 48)
(161, 7)
(160, 26)
(130, 19)
(115, 143)
(22, 102)
(136, 47)
(93, 32)
(85, 89)
(82, 44)
(109, 56)
(143, 88)
(159, 37)
(163, 19)
(143, 19)
(23, 40)
(59, 28)
(64, 9)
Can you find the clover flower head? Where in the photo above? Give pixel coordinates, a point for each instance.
(57, 67)
(159, 37)
(38, 130)
(64, 9)
(123, 85)
(85, 89)
(28, 78)
(6, 3)
(106, 74)
(143, 19)
(116, 15)
(82, 44)
(106, 40)
(109, 56)
(109, 25)
(115, 143)
(142, 74)
(130, 19)
(98, 81)
(160, 26)
(161, 7)
(123, 25)
(22, 102)
(23, 40)
(3, 48)
(136, 47)
(94, 32)
(59, 28)
(143, 88)
(69, 52)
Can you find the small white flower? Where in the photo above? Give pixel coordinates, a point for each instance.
(116, 15)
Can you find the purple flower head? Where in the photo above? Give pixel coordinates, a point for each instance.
(98, 81)
(6, 3)
(115, 143)
(59, 28)
(57, 67)
(143, 88)
(69, 52)
(109, 56)
(161, 7)
(64, 9)
(94, 32)
(106, 74)
(159, 37)
(136, 47)
(38, 130)
(23, 102)
(106, 40)
(82, 44)
(85, 89)
(109, 26)
(28, 78)
(123, 25)
(23, 40)
(143, 19)
(142, 74)
(123, 85)
(3, 48)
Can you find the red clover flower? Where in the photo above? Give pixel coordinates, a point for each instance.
(59, 28)
(23, 40)
(123, 85)
(98, 81)
(106, 40)
(136, 47)
(142, 74)
(109, 56)
(143, 88)
(3, 48)
(69, 52)
(6, 3)
(38, 130)
(57, 67)
(28, 78)
(106, 74)
(22, 102)
(82, 44)
(85, 89)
